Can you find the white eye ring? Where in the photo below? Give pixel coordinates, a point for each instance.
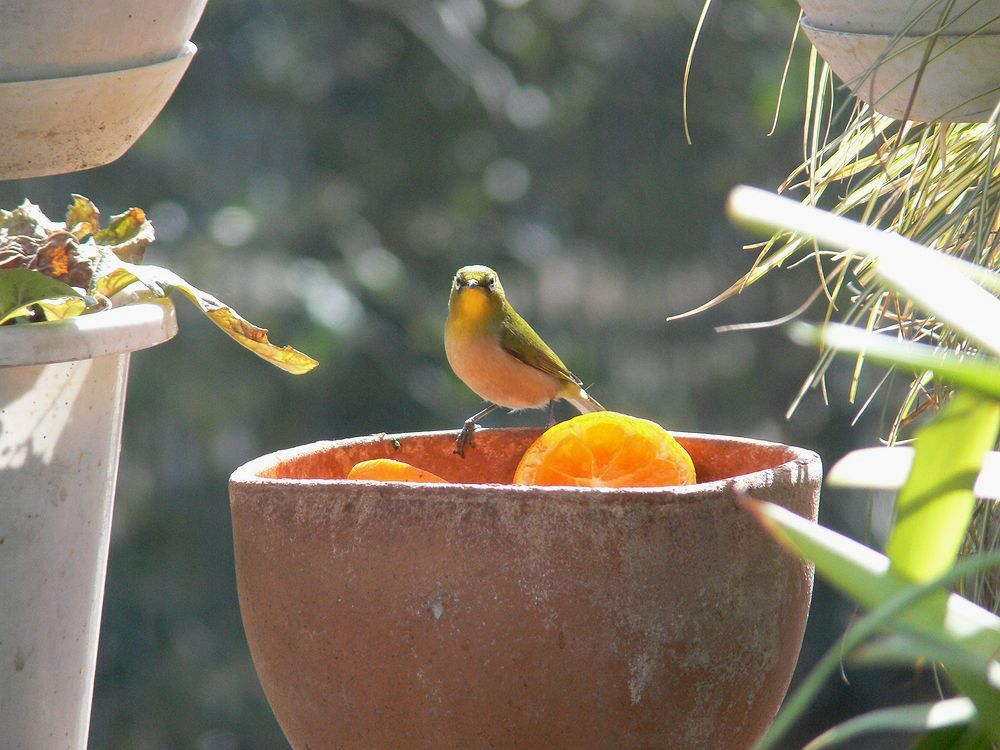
(458, 283)
(492, 283)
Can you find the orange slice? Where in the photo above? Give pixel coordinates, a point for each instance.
(388, 470)
(606, 449)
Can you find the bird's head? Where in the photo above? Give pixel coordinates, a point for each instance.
(476, 293)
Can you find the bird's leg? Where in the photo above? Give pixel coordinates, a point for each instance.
(465, 436)
(552, 414)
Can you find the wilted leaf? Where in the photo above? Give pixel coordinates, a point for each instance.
(127, 235)
(242, 331)
(104, 262)
(21, 290)
(935, 506)
(59, 256)
(18, 251)
(63, 258)
(82, 217)
(28, 220)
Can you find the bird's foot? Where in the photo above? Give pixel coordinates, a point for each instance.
(465, 437)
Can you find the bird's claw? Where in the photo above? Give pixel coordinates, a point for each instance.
(465, 438)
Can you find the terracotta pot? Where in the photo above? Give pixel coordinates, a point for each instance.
(389, 615)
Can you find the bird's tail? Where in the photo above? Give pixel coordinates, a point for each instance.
(584, 402)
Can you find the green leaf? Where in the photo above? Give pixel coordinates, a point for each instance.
(976, 675)
(21, 290)
(865, 576)
(161, 282)
(922, 609)
(935, 506)
(888, 468)
(954, 738)
(940, 284)
(951, 714)
(980, 374)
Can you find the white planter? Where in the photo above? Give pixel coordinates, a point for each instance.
(62, 38)
(859, 39)
(890, 16)
(62, 397)
(110, 110)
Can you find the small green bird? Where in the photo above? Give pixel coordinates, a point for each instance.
(498, 355)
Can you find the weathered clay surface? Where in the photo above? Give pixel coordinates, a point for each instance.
(491, 616)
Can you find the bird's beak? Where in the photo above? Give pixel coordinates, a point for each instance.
(471, 283)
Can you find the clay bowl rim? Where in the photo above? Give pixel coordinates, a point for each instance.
(248, 475)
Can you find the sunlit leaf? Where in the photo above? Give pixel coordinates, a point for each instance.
(980, 374)
(888, 468)
(127, 235)
(925, 610)
(21, 290)
(918, 718)
(865, 576)
(938, 283)
(242, 331)
(82, 217)
(935, 505)
(887, 614)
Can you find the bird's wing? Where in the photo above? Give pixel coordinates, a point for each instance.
(519, 340)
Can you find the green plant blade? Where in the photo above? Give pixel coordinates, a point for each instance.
(919, 718)
(976, 676)
(866, 576)
(888, 468)
(922, 609)
(22, 289)
(980, 374)
(954, 738)
(935, 506)
(938, 283)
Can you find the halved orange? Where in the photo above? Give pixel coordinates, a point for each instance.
(606, 449)
(389, 470)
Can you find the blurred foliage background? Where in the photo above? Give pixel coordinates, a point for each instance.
(325, 167)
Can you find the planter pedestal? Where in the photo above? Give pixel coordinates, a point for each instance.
(62, 398)
(392, 615)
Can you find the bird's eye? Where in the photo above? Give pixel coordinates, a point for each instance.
(458, 283)
(492, 283)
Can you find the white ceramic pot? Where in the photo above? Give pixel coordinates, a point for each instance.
(878, 48)
(60, 38)
(62, 397)
(59, 125)
(960, 83)
(914, 16)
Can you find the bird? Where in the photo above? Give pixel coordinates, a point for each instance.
(499, 356)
